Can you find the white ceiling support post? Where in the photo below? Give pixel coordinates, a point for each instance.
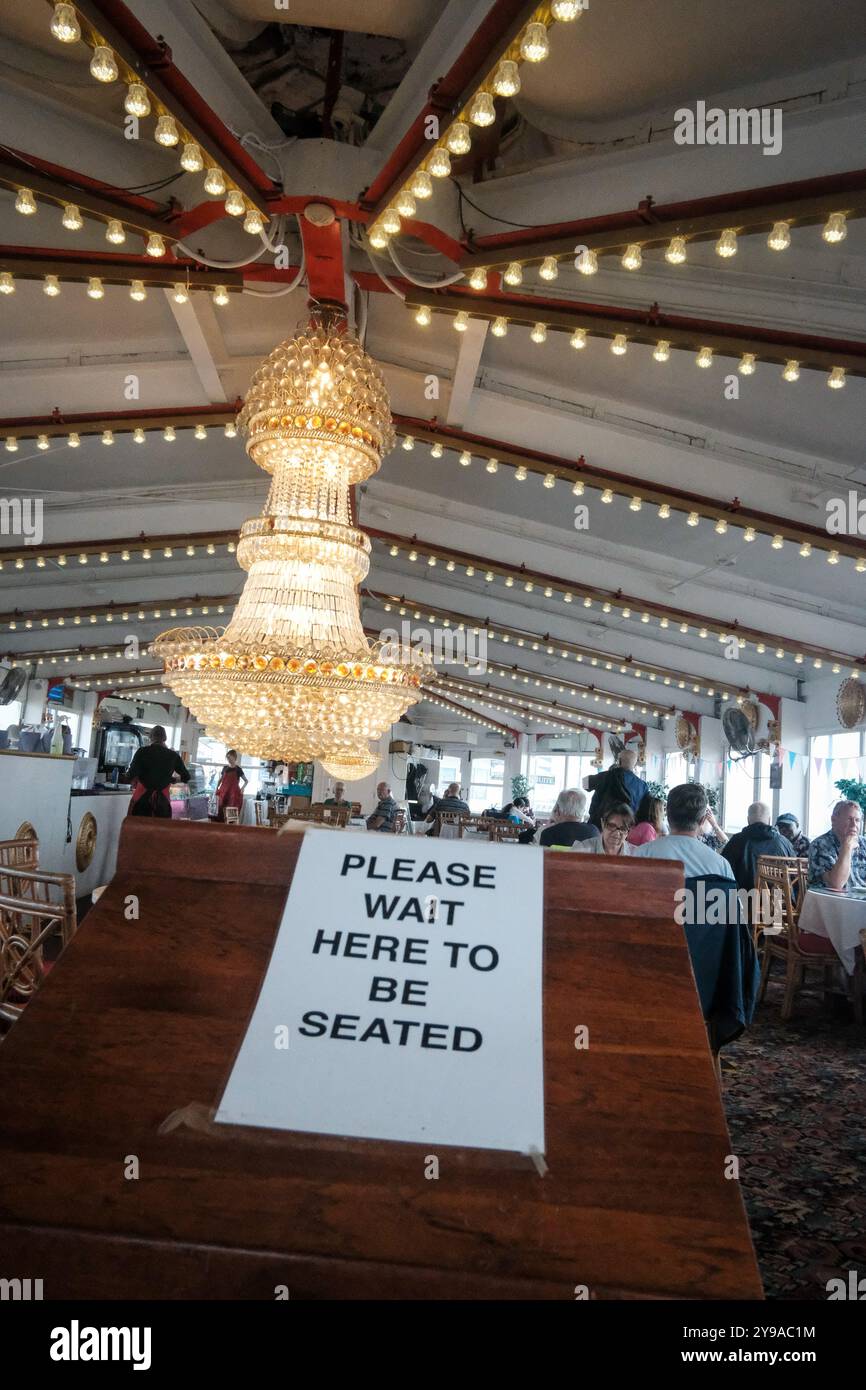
(204, 341)
(466, 371)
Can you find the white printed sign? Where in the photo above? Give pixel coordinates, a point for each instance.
(403, 997)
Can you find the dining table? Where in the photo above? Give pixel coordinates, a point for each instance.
(839, 916)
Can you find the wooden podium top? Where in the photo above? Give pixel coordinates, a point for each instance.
(143, 1018)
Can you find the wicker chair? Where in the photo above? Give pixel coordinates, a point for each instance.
(38, 906)
(788, 877)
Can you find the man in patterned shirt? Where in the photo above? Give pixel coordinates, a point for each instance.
(838, 859)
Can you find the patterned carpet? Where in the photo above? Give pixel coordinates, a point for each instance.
(795, 1098)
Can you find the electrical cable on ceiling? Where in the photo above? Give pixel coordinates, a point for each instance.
(464, 197)
(424, 284)
(383, 277)
(231, 265)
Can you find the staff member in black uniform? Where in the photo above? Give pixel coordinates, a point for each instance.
(151, 772)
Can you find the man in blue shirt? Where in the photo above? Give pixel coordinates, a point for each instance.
(838, 859)
(686, 809)
(616, 786)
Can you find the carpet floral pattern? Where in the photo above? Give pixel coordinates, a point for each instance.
(795, 1099)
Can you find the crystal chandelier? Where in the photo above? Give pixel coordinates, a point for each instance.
(293, 677)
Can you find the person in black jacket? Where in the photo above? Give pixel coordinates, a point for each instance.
(617, 786)
(758, 837)
(151, 772)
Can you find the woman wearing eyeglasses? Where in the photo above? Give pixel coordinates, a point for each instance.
(616, 822)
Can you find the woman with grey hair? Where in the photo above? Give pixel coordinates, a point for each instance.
(568, 824)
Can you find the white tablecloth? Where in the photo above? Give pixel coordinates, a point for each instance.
(837, 917)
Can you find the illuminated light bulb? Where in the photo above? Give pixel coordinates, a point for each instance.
(165, 133)
(436, 450)
(95, 288)
(439, 163)
(578, 488)
(431, 560)
(607, 495)
(200, 432)
(137, 291)
(499, 327)
(155, 245)
(408, 443)
(146, 554)
(234, 203)
(539, 333)
(662, 350)
(108, 437)
(520, 474)
(137, 102)
(465, 458)
(168, 434)
(833, 557)
(461, 322)
(835, 228)
(83, 560)
(860, 565)
(478, 278)
(214, 182)
(578, 339)
(64, 24)
(798, 659)
(102, 65)
(221, 296)
(780, 237)
(72, 219)
(749, 534)
(378, 237)
(7, 283)
(168, 552)
(405, 203)
(482, 112)
(492, 465)
(509, 581)
(676, 252)
(180, 294)
(459, 138)
(746, 366)
(423, 316)
(632, 258)
(721, 526)
(693, 519)
(635, 504)
(549, 269)
(230, 430)
(726, 245)
(506, 82)
(777, 542)
(103, 560)
(42, 442)
(413, 555)
(51, 286)
(619, 345)
(705, 357)
(73, 440)
(190, 550)
(805, 550)
(421, 184)
(391, 221)
(550, 480)
(25, 203)
(114, 232)
(138, 436)
(513, 274)
(566, 10)
(587, 263)
(836, 379)
(534, 46)
(254, 223)
(792, 370)
(11, 445)
(664, 511)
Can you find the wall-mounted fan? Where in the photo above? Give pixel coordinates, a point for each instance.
(11, 684)
(739, 733)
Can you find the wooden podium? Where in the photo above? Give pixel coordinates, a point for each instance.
(143, 1018)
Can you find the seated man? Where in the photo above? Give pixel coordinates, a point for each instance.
(789, 826)
(339, 797)
(386, 811)
(756, 838)
(451, 801)
(568, 823)
(837, 860)
(687, 808)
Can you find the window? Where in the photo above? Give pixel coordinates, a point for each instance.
(486, 787)
(828, 762)
(549, 774)
(739, 792)
(450, 770)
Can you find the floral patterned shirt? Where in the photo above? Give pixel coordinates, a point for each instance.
(823, 854)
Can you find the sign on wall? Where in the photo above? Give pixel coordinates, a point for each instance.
(403, 997)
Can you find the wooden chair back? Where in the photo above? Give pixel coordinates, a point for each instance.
(261, 809)
(503, 832)
(38, 906)
(332, 815)
(781, 878)
(232, 815)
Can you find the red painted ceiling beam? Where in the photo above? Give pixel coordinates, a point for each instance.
(151, 60)
(96, 199)
(802, 200)
(323, 252)
(498, 29)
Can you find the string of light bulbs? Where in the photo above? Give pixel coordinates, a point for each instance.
(96, 286)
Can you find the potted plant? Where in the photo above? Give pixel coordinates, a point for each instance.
(852, 790)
